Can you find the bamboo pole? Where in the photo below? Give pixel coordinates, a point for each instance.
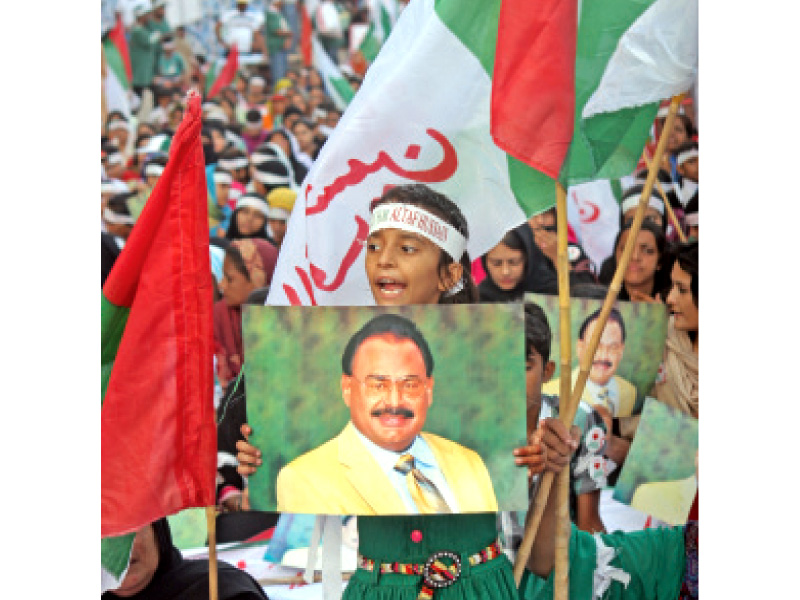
(667, 205)
(540, 501)
(565, 385)
(211, 525)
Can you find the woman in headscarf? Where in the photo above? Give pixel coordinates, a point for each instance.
(681, 375)
(646, 277)
(506, 266)
(248, 266)
(157, 571)
(249, 219)
(287, 143)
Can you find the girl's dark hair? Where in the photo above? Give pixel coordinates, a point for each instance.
(688, 257)
(237, 261)
(687, 124)
(440, 205)
(661, 280)
(233, 232)
(538, 335)
(514, 241)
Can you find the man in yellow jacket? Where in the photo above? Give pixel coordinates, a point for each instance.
(382, 462)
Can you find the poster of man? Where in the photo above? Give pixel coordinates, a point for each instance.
(659, 477)
(625, 365)
(400, 412)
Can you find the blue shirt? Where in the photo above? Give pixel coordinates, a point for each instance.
(424, 460)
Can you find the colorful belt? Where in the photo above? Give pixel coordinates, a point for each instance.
(435, 573)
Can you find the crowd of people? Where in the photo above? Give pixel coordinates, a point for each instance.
(261, 134)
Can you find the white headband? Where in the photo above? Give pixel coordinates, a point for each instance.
(114, 159)
(231, 164)
(692, 220)
(223, 178)
(418, 220)
(253, 202)
(633, 201)
(117, 125)
(117, 219)
(257, 158)
(271, 178)
(684, 156)
(153, 170)
(280, 214)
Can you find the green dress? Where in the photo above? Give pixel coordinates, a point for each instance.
(412, 539)
(653, 558)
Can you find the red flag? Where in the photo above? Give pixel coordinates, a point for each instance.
(158, 426)
(305, 36)
(227, 73)
(533, 86)
(117, 36)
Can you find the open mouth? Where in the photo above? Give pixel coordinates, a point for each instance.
(390, 287)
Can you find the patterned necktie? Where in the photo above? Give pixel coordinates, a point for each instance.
(604, 398)
(423, 491)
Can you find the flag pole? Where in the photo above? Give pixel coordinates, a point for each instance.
(540, 501)
(667, 205)
(562, 506)
(211, 525)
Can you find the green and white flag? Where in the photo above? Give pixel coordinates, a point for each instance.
(336, 85)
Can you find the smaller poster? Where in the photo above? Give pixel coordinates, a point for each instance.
(659, 477)
(628, 356)
(386, 410)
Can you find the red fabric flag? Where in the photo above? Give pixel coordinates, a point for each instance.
(533, 86)
(117, 36)
(305, 36)
(158, 427)
(227, 73)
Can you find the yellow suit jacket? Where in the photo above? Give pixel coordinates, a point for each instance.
(342, 477)
(627, 393)
(669, 501)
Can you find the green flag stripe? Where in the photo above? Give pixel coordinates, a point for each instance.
(535, 192)
(370, 46)
(475, 27)
(604, 145)
(114, 62)
(386, 22)
(343, 89)
(112, 323)
(115, 553)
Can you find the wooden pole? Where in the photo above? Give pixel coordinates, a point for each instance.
(565, 385)
(667, 205)
(567, 414)
(211, 524)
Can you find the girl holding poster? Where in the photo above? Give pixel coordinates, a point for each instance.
(422, 260)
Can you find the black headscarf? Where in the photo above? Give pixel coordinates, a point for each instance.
(489, 291)
(179, 579)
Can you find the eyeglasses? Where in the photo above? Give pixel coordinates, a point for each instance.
(379, 387)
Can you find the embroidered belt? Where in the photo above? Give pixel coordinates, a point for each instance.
(435, 572)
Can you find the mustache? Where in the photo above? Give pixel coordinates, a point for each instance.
(397, 411)
(603, 363)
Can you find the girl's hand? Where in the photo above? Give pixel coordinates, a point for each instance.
(533, 456)
(249, 456)
(559, 443)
